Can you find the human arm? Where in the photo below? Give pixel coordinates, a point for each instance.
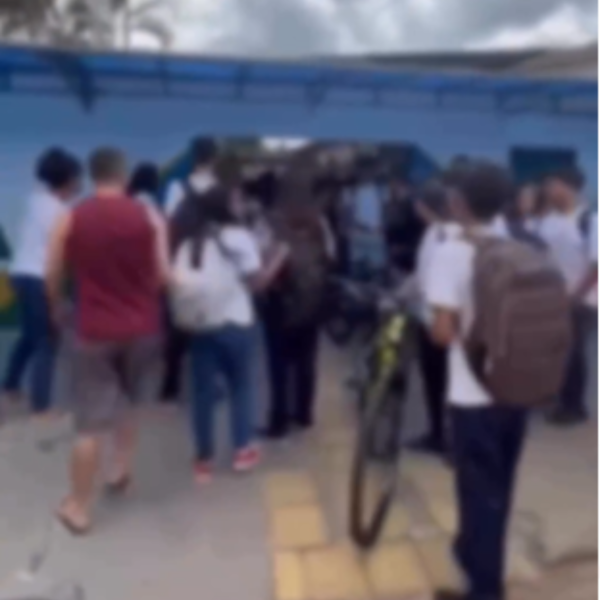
(55, 270)
(161, 246)
(590, 277)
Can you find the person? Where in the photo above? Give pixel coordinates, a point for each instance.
(568, 231)
(216, 264)
(204, 153)
(58, 173)
(405, 229)
(202, 179)
(433, 208)
(292, 310)
(144, 184)
(367, 244)
(523, 216)
(117, 257)
(487, 437)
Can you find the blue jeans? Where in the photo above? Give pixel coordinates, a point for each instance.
(37, 343)
(229, 352)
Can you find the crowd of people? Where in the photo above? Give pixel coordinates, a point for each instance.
(134, 287)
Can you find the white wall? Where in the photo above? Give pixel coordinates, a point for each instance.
(160, 129)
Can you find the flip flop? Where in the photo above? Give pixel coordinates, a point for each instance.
(67, 523)
(119, 487)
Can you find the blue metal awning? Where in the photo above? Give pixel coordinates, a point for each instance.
(92, 75)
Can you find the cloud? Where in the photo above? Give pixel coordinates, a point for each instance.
(304, 27)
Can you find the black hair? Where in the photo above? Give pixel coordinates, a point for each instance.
(487, 189)
(145, 180)
(204, 151)
(570, 175)
(434, 196)
(57, 168)
(107, 165)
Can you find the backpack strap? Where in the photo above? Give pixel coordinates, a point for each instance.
(585, 223)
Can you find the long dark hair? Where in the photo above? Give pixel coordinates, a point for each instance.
(145, 180)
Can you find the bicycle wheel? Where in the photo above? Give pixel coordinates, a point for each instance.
(374, 475)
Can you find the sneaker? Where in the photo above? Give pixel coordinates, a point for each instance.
(203, 472)
(246, 460)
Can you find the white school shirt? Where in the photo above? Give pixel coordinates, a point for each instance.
(435, 236)
(573, 254)
(449, 283)
(43, 212)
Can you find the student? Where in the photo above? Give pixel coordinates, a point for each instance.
(202, 179)
(568, 231)
(203, 176)
(432, 207)
(487, 437)
(216, 263)
(59, 174)
(293, 311)
(116, 256)
(144, 184)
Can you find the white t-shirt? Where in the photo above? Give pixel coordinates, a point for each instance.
(568, 246)
(43, 212)
(449, 283)
(434, 238)
(243, 256)
(176, 193)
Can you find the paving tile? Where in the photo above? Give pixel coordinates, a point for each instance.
(283, 489)
(444, 514)
(335, 573)
(396, 571)
(288, 573)
(298, 527)
(397, 524)
(439, 564)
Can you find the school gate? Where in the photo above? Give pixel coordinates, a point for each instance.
(151, 105)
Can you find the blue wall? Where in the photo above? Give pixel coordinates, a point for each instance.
(159, 130)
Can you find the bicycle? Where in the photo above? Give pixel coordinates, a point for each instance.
(381, 408)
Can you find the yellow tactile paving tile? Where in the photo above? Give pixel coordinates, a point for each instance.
(283, 489)
(444, 514)
(439, 564)
(298, 527)
(395, 571)
(290, 581)
(335, 573)
(397, 524)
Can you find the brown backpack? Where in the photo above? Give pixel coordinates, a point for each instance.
(520, 341)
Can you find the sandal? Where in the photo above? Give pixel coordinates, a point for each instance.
(119, 487)
(67, 522)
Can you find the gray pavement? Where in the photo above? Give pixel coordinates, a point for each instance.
(170, 539)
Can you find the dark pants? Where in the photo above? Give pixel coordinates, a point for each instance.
(488, 443)
(433, 360)
(230, 352)
(572, 397)
(37, 344)
(292, 357)
(175, 351)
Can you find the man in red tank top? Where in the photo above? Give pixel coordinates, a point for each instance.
(114, 250)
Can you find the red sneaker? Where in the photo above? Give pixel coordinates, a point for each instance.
(203, 472)
(246, 459)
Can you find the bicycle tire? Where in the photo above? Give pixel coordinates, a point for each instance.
(365, 530)
(385, 405)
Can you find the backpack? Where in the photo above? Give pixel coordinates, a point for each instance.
(204, 280)
(305, 279)
(520, 340)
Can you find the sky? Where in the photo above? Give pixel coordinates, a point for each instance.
(303, 27)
